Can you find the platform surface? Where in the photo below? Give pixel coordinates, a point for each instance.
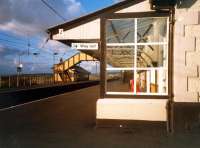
(68, 121)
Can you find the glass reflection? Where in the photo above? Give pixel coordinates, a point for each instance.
(119, 81)
(120, 31)
(152, 56)
(120, 56)
(151, 30)
(147, 81)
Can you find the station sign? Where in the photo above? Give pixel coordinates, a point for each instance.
(85, 46)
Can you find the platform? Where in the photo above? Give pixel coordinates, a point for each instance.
(68, 120)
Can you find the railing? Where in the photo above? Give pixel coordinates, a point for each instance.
(77, 58)
(32, 80)
(25, 80)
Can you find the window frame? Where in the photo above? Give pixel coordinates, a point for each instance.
(103, 88)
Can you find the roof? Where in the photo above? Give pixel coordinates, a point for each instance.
(94, 15)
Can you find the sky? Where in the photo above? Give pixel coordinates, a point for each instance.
(22, 32)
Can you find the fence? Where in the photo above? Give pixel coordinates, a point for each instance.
(32, 80)
(26, 80)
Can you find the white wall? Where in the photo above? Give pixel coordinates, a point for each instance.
(132, 109)
(187, 54)
(140, 7)
(90, 30)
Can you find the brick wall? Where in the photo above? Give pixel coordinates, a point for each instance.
(187, 55)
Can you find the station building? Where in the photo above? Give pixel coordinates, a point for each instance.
(149, 53)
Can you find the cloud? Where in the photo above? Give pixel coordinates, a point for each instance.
(117, 1)
(91, 66)
(5, 11)
(19, 29)
(5, 51)
(1, 48)
(33, 16)
(52, 46)
(31, 64)
(74, 7)
(7, 59)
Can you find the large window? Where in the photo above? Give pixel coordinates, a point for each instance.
(137, 56)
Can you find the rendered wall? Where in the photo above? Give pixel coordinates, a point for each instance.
(140, 7)
(187, 52)
(90, 30)
(186, 109)
(132, 109)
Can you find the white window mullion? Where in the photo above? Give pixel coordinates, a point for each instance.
(133, 44)
(167, 56)
(167, 31)
(148, 81)
(132, 68)
(135, 58)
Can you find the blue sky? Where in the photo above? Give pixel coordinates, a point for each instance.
(22, 32)
(95, 5)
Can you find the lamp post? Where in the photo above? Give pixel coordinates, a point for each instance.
(96, 67)
(54, 56)
(19, 70)
(19, 67)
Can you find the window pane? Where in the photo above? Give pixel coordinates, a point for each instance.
(120, 56)
(151, 30)
(120, 81)
(152, 56)
(137, 58)
(120, 31)
(141, 81)
(151, 81)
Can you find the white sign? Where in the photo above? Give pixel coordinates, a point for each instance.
(85, 46)
(60, 31)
